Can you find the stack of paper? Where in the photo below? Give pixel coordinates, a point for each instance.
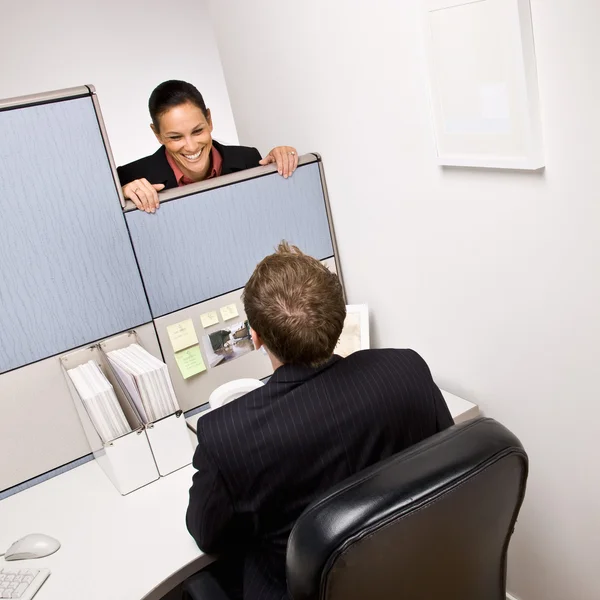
(100, 401)
(147, 381)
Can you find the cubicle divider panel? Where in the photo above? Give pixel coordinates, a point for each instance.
(206, 244)
(39, 426)
(68, 271)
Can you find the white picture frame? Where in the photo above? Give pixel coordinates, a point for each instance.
(355, 335)
(483, 85)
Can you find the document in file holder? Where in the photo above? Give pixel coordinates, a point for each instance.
(100, 401)
(147, 381)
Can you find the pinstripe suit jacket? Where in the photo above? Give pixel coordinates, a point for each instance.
(264, 457)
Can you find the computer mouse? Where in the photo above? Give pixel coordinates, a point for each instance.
(34, 545)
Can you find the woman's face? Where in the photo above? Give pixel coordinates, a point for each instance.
(186, 134)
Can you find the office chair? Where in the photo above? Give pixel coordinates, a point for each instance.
(430, 523)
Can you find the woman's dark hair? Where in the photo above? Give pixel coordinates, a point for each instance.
(173, 93)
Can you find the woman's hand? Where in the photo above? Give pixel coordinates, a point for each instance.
(286, 158)
(143, 194)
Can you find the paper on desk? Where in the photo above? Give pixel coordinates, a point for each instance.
(209, 318)
(127, 380)
(157, 374)
(182, 335)
(190, 361)
(100, 401)
(147, 381)
(229, 312)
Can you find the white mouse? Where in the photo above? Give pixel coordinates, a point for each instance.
(34, 545)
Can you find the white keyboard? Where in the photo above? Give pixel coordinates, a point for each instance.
(21, 583)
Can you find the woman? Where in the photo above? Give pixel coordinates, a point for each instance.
(183, 126)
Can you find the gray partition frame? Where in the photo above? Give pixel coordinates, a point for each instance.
(64, 94)
(232, 178)
(67, 94)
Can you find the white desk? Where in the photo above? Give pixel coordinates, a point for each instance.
(113, 547)
(460, 409)
(116, 547)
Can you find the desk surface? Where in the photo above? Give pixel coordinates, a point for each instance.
(113, 547)
(116, 547)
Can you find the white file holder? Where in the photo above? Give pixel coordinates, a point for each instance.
(169, 437)
(170, 442)
(127, 460)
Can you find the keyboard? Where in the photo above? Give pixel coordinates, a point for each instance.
(21, 583)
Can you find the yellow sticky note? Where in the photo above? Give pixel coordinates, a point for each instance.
(209, 318)
(190, 361)
(229, 312)
(182, 335)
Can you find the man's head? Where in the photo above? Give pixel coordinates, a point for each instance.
(295, 307)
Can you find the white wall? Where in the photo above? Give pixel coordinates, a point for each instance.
(493, 277)
(125, 48)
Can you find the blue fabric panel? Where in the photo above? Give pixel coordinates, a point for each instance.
(207, 244)
(67, 269)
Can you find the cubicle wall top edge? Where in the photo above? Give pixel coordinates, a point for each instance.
(46, 97)
(224, 181)
(81, 91)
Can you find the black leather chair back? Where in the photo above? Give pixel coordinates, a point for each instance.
(431, 523)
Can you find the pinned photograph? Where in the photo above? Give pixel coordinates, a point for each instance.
(228, 343)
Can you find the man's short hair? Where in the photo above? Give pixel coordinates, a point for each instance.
(296, 305)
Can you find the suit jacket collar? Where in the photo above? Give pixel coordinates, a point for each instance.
(233, 161)
(298, 373)
(163, 172)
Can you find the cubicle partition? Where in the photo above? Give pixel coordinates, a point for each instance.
(79, 266)
(68, 271)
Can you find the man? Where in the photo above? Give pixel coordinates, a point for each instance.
(321, 418)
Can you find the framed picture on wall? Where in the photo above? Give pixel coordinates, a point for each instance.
(483, 83)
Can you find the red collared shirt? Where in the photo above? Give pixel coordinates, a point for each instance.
(216, 163)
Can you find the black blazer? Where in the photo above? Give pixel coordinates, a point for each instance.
(264, 457)
(156, 169)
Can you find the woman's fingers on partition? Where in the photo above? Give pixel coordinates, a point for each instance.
(279, 158)
(151, 194)
(157, 187)
(267, 160)
(286, 158)
(275, 156)
(136, 201)
(142, 193)
(129, 194)
(292, 159)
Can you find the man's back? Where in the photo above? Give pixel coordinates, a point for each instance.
(263, 458)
